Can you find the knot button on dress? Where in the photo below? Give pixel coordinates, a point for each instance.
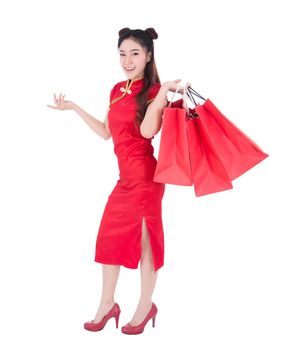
(135, 196)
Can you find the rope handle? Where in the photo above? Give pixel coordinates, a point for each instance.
(188, 92)
(185, 95)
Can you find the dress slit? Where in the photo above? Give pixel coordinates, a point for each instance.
(150, 240)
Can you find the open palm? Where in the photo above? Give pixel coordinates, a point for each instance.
(61, 104)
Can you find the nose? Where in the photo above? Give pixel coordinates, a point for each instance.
(128, 60)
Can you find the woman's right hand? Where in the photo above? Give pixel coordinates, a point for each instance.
(62, 104)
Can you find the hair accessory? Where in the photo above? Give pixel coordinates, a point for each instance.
(123, 31)
(152, 33)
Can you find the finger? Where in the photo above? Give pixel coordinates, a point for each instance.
(177, 80)
(51, 106)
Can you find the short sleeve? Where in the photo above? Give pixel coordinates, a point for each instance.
(152, 92)
(111, 95)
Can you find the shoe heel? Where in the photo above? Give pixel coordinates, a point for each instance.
(153, 321)
(117, 319)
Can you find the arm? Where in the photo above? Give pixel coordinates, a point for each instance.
(152, 121)
(100, 128)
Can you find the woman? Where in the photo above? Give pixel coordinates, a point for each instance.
(131, 228)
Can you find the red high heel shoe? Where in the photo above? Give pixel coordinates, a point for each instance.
(94, 327)
(128, 329)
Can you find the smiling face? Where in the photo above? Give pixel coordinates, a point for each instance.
(133, 59)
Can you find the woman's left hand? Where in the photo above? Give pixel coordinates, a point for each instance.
(172, 86)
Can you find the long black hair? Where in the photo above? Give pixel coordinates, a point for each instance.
(145, 39)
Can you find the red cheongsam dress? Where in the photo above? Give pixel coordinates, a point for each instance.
(135, 194)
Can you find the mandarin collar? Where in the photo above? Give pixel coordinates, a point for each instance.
(129, 83)
(126, 90)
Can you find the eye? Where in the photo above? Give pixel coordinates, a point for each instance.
(136, 53)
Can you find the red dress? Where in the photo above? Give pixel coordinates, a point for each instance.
(135, 194)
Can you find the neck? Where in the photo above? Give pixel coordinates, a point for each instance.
(135, 79)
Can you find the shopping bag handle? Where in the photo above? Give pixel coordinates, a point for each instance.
(188, 92)
(174, 93)
(191, 92)
(184, 97)
(189, 112)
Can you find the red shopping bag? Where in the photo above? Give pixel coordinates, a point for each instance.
(173, 165)
(218, 150)
(236, 150)
(207, 170)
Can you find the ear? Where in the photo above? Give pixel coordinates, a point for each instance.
(149, 56)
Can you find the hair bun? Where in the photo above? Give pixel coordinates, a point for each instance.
(152, 33)
(123, 31)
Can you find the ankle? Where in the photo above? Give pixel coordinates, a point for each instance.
(144, 304)
(107, 303)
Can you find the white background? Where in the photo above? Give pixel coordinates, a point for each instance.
(223, 282)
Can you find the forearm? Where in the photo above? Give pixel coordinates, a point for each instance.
(96, 125)
(152, 121)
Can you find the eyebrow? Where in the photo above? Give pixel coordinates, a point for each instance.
(130, 50)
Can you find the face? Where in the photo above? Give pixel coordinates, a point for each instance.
(133, 59)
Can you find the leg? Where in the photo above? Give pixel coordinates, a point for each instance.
(110, 275)
(148, 278)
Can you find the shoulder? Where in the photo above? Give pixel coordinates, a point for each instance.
(153, 91)
(118, 85)
(155, 86)
(116, 88)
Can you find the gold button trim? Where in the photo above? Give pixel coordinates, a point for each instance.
(125, 90)
(122, 89)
